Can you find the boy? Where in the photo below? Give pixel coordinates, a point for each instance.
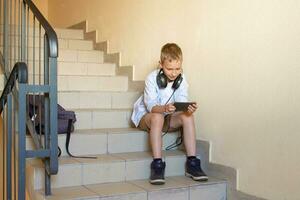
(154, 112)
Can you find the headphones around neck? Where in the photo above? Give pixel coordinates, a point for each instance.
(162, 80)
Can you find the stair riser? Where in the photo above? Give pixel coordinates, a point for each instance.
(216, 191)
(81, 56)
(61, 33)
(91, 100)
(133, 142)
(102, 119)
(69, 68)
(89, 83)
(92, 173)
(65, 55)
(71, 44)
(88, 144)
(211, 192)
(77, 68)
(86, 83)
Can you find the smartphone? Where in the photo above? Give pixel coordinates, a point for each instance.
(182, 106)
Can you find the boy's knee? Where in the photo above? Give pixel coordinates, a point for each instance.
(157, 118)
(186, 117)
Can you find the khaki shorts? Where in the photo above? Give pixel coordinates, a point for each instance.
(166, 126)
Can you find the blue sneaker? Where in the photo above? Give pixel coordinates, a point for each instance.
(193, 170)
(157, 172)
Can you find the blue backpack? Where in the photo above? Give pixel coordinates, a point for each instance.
(65, 120)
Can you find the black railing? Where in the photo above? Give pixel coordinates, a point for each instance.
(27, 39)
(9, 152)
(19, 73)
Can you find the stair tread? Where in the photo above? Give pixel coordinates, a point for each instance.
(108, 130)
(103, 131)
(100, 92)
(112, 130)
(109, 158)
(137, 187)
(100, 109)
(88, 75)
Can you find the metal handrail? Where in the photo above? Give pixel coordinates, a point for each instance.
(19, 73)
(49, 31)
(42, 82)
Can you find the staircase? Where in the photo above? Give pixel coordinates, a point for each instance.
(102, 96)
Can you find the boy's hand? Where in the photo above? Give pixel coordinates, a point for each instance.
(169, 108)
(192, 108)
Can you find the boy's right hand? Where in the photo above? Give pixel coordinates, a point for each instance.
(170, 108)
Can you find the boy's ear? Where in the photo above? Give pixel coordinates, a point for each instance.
(160, 64)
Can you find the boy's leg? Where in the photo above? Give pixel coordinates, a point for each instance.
(193, 164)
(154, 122)
(185, 120)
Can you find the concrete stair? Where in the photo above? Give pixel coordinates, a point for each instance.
(91, 99)
(106, 141)
(176, 188)
(102, 118)
(60, 32)
(94, 85)
(116, 171)
(113, 167)
(78, 68)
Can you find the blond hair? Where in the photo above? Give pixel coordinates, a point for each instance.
(170, 51)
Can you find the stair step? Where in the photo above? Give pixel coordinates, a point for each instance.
(72, 44)
(80, 44)
(92, 83)
(175, 188)
(60, 32)
(78, 68)
(106, 168)
(103, 141)
(96, 99)
(102, 118)
(66, 55)
(92, 56)
(69, 33)
(76, 83)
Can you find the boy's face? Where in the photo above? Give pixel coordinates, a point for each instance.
(172, 68)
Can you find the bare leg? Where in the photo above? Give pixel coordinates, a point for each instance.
(187, 122)
(155, 121)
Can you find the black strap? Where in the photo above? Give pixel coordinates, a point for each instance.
(70, 122)
(59, 152)
(177, 142)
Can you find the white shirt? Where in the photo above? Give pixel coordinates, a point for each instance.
(154, 96)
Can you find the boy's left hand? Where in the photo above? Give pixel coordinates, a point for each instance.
(192, 108)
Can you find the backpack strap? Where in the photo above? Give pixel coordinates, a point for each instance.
(59, 152)
(70, 122)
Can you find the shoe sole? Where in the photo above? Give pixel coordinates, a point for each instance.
(157, 182)
(200, 178)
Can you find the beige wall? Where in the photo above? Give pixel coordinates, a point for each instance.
(242, 59)
(42, 6)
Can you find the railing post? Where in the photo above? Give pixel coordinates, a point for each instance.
(22, 141)
(23, 31)
(6, 30)
(9, 147)
(47, 123)
(53, 115)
